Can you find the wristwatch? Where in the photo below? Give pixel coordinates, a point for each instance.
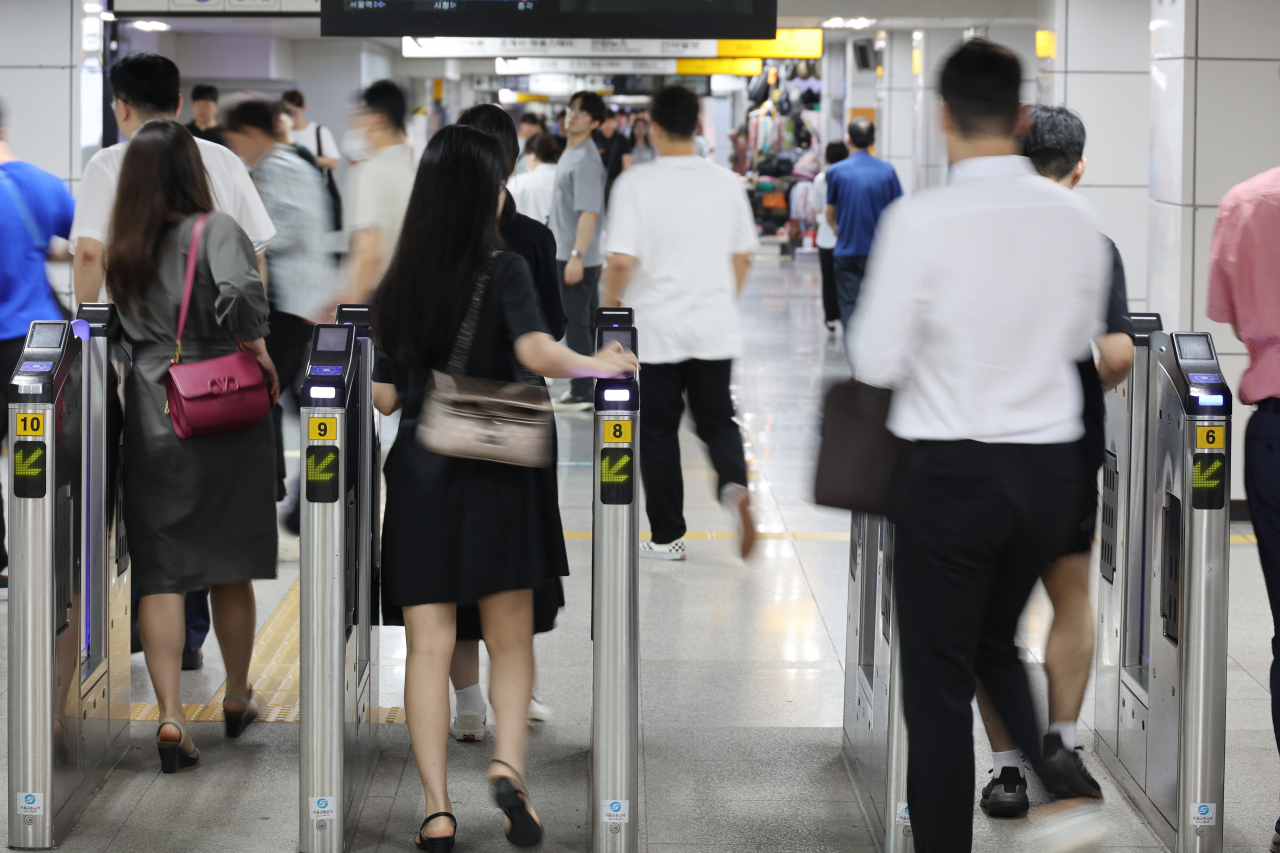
(575, 254)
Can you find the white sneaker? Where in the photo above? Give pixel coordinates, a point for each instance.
(467, 727)
(538, 712)
(670, 551)
(738, 499)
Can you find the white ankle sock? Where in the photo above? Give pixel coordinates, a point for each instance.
(1066, 731)
(1012, 758)
(470, 700)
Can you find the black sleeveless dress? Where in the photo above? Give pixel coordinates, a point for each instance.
(459, 530)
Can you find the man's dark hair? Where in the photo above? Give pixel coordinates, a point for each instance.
(386, 99)
(531, 118)
(495, 121)
(251, 113)
(545, 147)
(1055, 142)
(205, 92)
(147, 82)
(675, 109)
(862, 132)
(294, 97)
(836, 151)
(980, 84)
(591, 104)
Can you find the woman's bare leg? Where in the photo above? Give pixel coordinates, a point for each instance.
(235, 620)
(430, 631)
(507, 622)
(162, 626)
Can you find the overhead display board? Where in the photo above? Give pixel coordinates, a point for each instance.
(646, 19)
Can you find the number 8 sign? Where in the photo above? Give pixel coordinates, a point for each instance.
(617, 432)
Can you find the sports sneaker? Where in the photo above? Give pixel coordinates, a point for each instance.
(1275, 843)
(670, 551)
(467, 727)
(737, 498)
(1064, 772)
(538, 712)
(1006, 794)
(567, 402)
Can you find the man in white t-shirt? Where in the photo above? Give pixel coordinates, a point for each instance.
(146, 87)
(316, 138)
(679, 239)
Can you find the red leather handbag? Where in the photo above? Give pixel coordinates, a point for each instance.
(221, 394)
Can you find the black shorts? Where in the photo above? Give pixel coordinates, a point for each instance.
(1086, 504)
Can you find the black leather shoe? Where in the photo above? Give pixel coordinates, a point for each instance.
(192, 659)
(1064, 772)
(1006, 794)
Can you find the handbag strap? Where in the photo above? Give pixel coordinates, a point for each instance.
(24, 213)
(461, 354)
(193, 259)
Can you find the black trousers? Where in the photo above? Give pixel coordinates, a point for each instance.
(580, 303)
(662, 392)
(976, 524)
(1262, 487)
(287, 344)
(830, 299)
(10, 352)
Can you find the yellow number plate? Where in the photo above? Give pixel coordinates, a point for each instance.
(1211, 438)
(29, 424)
(617, 432)
(322, 429)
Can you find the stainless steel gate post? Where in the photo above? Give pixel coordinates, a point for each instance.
(615, 717)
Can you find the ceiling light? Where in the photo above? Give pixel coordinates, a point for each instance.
(833, 23)
(93, 8)
(151, 26)
(860, 23)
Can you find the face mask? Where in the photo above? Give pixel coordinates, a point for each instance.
(355, 147)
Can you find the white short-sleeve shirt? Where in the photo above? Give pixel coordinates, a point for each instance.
(325, 146)
(683, 219)
(233, 193)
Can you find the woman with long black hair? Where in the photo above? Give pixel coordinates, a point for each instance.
(462, 531)
(200, 511)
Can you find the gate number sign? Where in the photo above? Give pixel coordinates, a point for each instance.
(1211, 437)
(28, 424)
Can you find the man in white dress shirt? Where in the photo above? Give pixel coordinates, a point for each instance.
(981, 297)
(146, 87)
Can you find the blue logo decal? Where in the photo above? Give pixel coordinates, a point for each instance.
(322, 803)
(30, 799)
(1204, 809)
(615, 807)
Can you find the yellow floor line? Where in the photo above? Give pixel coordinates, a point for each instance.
(1243, 539)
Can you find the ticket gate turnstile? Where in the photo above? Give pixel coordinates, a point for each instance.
(341, 517)
(615, 623)
(69, 573)
(1164, 740)
(875, 731)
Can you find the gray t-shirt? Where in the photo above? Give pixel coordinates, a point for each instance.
(579, 188)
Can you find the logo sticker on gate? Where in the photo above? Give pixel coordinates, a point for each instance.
(903, 816)
(322, 808)
(616, 811)
(30, 804)
(1204, 814)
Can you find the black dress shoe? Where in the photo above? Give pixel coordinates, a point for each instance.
(1064, 772)
(1006, 794)
(192, 659)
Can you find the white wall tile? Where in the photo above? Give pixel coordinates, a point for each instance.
(1051, 88)
(1116, 111)
(1022, 41)
(901, 124)
(1108, 35)
(37, 33)
(905, 168)
(1124, 220)
(1173, 24)
(1223, 337)
(1239, 29)
(1237, 124)
(1169, 256)
(39, 102)
(1171, 165)
(898, 58)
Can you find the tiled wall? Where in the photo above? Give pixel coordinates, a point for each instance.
(895, 101)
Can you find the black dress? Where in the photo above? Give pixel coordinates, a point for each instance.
(459, 530)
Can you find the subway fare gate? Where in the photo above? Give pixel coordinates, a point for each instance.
(1162, 654)
(339, 552)
(615, 623)
(875, 729)
(69, 574)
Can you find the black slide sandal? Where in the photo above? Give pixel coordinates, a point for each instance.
(525, 830)
(436, 845)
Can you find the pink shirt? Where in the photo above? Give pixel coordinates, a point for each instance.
(1244, 278)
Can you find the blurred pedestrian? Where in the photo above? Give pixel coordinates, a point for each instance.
(835, 153)
(981, 358)
(204, 111)
(534, 191)
(642, 150)
(319, 141)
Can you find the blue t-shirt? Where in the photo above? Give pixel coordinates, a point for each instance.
(25, 294)
(860, 187)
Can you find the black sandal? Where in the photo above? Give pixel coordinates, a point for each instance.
(436, 845)
(525, 831)
(236, 723)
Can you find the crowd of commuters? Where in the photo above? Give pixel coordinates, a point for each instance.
(528, 235)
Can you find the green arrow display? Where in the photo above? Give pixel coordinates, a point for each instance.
(319, 473)
(24, 466)
(613, 473)
(1201, 479)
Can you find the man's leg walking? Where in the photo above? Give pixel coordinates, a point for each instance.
(197, 616)
(662, 404)
(849, 272)
(830, 301)
(711, 404)
(1262, 487)
(580, 303)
